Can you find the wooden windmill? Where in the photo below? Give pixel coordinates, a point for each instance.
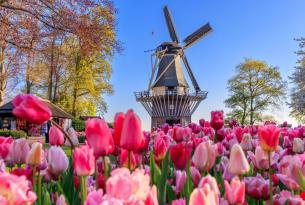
(169, 98)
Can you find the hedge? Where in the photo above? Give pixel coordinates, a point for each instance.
(13, 133)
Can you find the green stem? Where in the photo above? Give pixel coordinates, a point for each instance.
(83, 184)
(270, 178)
(96, 176)
(39, 189)
(129, 160)
(34, 179)
(105, 165)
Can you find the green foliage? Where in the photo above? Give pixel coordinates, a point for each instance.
(13, 133)
(78, 124)
(162, 183)
(254, 88)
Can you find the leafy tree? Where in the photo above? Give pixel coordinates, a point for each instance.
(297, 95)
(254, 88)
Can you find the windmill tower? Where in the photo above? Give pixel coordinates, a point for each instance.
(168, 98)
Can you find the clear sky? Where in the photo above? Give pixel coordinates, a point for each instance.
(259, 29)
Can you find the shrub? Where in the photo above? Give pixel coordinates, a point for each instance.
(78, 125)
(13, 133)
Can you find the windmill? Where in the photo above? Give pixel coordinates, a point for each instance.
(168, 98)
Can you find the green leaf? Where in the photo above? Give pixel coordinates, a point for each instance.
(154, 170)
(46, 198)
(163, 180)
(188, 186)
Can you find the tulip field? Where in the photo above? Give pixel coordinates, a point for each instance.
(205, 163)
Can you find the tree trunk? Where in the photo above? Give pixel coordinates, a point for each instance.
(3, 77)
(50, 86)
(77, 65)
(251, 111)
(244, 114)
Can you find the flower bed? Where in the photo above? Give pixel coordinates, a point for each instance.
(204, 163)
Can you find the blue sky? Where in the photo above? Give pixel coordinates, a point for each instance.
(263, 30)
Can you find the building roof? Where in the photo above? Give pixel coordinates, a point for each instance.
(57, 112)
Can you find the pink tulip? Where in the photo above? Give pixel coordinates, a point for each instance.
(235, 192)
(211, 181)
(246, 142)
(94, 198)
(238, 131)
(204, 156)
(5, 143)
(83, 160)
(298, 145)
(31, 108)
(61, 200)
(124, 159)
(203, 196)
(18, 151)
(238, 163)
(15, 190)
(117, 127)
(269, 137)
(257, 187)
(183, 133)
(196, 176)
(161, 143)
(35, 155)
(57, 160)
(260, 158)
(178, 202)
(56, 137)
(180, 180)
(132, 135)
(99, 137)
(285, 197)
(217, 119)
(202, 122)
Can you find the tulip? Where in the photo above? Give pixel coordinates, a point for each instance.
(298, 145)
(160, 146)
(99, 137)
(269, 137)
(179, 154)
(61, 200)
(211, 181)
(204, 156)
(257, 187)
(235, 191)
(217, 119)
(5, 143)
(165, 128)
(180, 180)
(196, 176)
(238, 131)
(31, 108)
(57, 160)
(56, 136)
(178, 202)
(260, 158)
(18, 151)
(15, 190)
(84, 160)
(202, 122)
(246, 142)
(203, 196)
(286, 197)
(124, 159)
(118, 126)
(132, 135)
(94, 198)
(238, 163)
(35, 155)
(145, 143)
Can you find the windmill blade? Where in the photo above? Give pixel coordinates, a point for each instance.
(190, 72)
(197, 35)
(170, 25)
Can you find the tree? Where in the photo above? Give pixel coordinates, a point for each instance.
(253, 89)
(297, 95)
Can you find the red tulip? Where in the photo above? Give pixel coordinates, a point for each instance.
(238, 131)
(124, 159)
(132, 135)
(31, 108)
(217, 120)
(56, 137)
(160, 146)
(83, 160)
(99, 137)
(201, 122)
(269, 137)
(5, 143)
(235, 192)
(117, 127)
(179, 154)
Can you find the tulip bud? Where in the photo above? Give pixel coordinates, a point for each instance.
(61, 200)
(56, 136)
(117, 127)
(19, 149)
(235, 192)
(83, 160)
(268, 136)
(238, 163)
(204, 156)
(35, 155)
(57, 160)
(298, 145)
(217, 120)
